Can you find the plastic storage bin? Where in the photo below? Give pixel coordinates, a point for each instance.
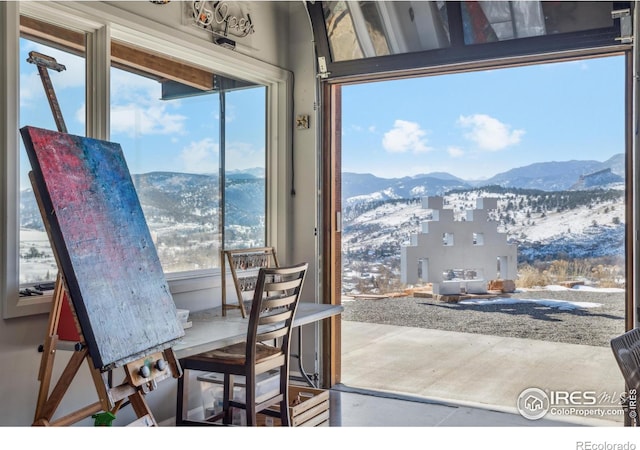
(211, 384)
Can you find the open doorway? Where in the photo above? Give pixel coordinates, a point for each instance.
(546, 144)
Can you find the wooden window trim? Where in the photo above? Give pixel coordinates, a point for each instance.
(124, 56)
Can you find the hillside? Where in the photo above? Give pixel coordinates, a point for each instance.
(592, 226)
(578, 212)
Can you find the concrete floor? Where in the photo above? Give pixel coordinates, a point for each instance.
(411, 377)
(362, 408)
(469, 379)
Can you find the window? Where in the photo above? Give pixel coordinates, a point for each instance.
(176, 138)
(500, 20)
(37, 261)
(562, 192)
(365, 29)
(171, 148)
(245, 168)
(170, 134)
(169, 117)
(368, 39)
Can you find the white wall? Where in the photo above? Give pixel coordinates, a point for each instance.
(305, 203)
(265, 44)
(279, 41)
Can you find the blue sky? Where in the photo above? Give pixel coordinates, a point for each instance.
(472, 125)
(475, 125)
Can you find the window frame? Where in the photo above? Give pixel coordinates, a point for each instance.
(331, 152)
(459, 54)
(101, 23)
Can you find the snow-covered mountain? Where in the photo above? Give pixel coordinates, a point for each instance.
(577, 211)
(544, 225)
(182, 213)
(174, 198)
(547, 176)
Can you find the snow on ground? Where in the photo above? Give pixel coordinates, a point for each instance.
(539, 227)
(390, 215)
(562, 305)
(580, 287)
(27, 234)
(572, 222)
(558, 304)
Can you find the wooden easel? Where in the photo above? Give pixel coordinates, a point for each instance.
(141, 375)
(110, 398)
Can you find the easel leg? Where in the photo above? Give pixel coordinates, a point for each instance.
(74, 417)
(49, 347)
(49, 407)
(141, 408)
(176, 368)
(46, 371)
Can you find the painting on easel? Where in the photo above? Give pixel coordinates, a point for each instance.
(103, 245)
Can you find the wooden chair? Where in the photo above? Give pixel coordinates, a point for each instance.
(626, 349)
(266, 349)
(244, 265)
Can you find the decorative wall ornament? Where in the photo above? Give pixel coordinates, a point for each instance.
(302, 121)
(223, 19)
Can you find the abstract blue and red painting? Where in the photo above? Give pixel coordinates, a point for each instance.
(103, 246)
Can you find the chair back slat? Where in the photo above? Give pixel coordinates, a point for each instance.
(281, 285)
(277, 302)
(275, 318)
(271, 335)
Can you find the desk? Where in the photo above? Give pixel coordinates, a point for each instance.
(210, 330)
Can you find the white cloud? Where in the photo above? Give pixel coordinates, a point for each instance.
(203, 156)
(31, 88)
(74, 74)
(137, 110)
(127, 87)
(135, 119)
(241, 155)
(455, 152)
(489, 133)
(405, 136)
(80, 114)
(200, 157)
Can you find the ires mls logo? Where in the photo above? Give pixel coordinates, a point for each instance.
(575, 398)
(535, 403)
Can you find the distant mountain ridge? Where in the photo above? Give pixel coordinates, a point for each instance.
(174, 198)
(546, 176)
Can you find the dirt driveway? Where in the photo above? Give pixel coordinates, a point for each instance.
(575, 316)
